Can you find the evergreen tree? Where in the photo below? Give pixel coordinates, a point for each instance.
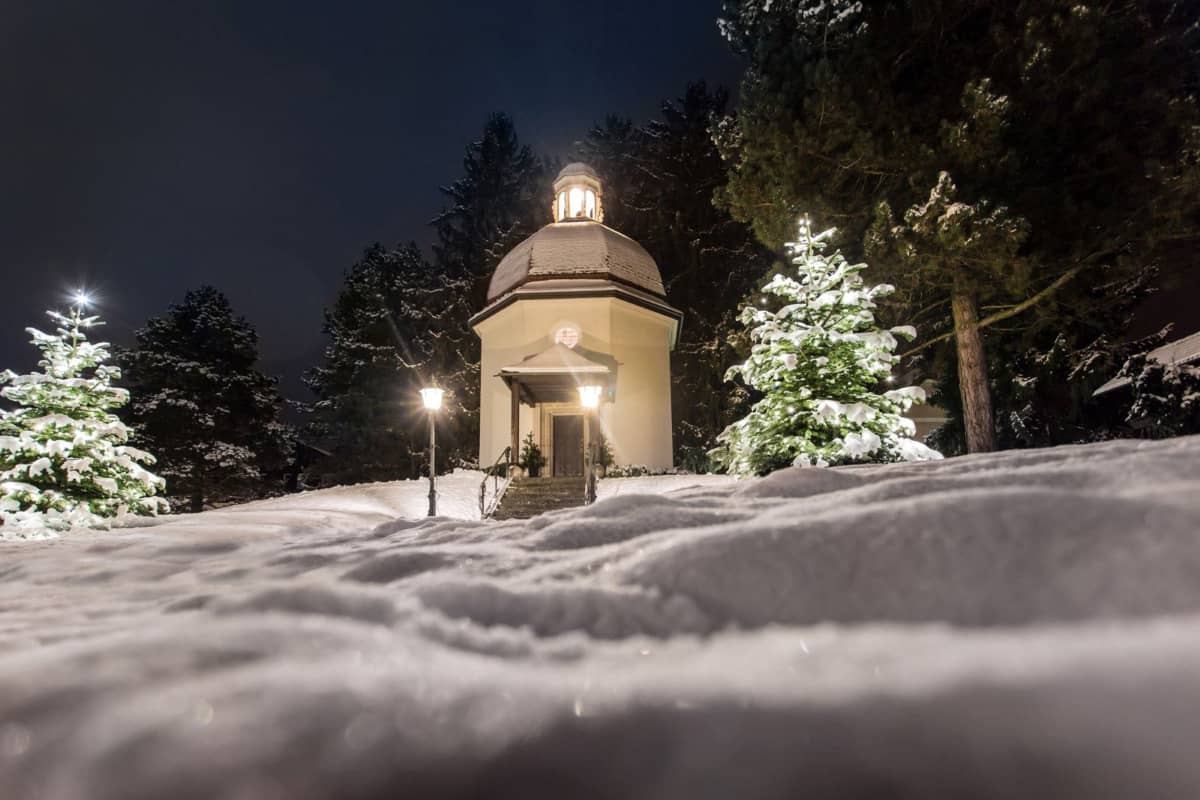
(64, 457)
(819, 361)
(660, 179)
(201, 403)
(1066, 131)
(615, 148)
(970, 253)
(1165, 397)
(1043, 393)
(500, 200)
(388, 328)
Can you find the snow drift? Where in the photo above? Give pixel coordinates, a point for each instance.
(1025, 624)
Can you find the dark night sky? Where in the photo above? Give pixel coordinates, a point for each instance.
(150, 147)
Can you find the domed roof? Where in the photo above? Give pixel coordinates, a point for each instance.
(577, 249)
(576, 169)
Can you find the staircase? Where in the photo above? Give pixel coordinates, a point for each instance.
(528, 497)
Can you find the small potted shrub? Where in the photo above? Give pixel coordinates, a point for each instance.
(604, 457)
(532, 459)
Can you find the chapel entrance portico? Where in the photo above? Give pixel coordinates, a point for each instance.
(548, 383)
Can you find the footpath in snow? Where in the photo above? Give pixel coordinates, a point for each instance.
(1018, 625)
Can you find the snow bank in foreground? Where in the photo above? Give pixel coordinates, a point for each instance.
(1018, 625)
(658, 484)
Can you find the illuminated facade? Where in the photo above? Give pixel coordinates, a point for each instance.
(577, 305)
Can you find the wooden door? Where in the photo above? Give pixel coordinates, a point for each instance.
(568, 444)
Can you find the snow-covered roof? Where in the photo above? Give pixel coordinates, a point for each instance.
(575, 169)
(1180, 351)
(555, 374)
(558, 358)
(577, 249)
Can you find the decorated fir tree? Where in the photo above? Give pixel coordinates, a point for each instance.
(64, 460)
(820, 362)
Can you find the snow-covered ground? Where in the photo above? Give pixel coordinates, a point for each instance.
(1021, 625)
(658, 484)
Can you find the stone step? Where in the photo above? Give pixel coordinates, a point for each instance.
(517, 504)
(566, 502)
(529, 497)
(502, 515)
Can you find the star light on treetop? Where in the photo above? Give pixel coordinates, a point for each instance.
(83, 298)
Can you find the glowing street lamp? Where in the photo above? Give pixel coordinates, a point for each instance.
(431, 398)
(589, 398)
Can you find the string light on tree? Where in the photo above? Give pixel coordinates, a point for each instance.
(818, 361)
(64, 460)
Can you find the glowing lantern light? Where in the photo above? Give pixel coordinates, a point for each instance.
(432, 398)
(589, 396)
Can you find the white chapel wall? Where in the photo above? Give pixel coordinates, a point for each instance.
(638, 425)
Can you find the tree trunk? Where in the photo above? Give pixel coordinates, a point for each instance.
(972, 373)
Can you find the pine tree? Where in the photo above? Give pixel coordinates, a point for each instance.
(1165, 397)
(499, 201)
(64, 457)
(970, 253)
(201, 403)
(1079, 121)
(387, 329)
(819, 361)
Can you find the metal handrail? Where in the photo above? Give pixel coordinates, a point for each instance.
(498, 489)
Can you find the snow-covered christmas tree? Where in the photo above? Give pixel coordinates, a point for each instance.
(821, 363)
(64, 460)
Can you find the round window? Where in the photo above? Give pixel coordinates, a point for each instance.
(567, 336)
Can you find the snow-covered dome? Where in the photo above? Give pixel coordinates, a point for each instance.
(577, 250)
(577, 244)
(576, 169)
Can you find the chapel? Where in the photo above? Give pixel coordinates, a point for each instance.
(576, 336)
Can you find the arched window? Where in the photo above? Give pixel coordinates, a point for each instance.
(577, 203)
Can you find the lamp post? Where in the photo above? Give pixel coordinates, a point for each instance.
(432, 400)
(589, 398)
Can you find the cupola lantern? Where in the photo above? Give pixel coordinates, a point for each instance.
(577, 194)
